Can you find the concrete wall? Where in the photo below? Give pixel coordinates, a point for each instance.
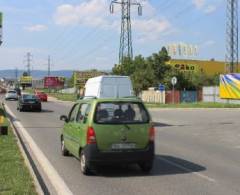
(68, 90)
(211, 94)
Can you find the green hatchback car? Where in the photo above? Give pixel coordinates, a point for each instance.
(109, 131)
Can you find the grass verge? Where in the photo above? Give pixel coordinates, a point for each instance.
(193, 105)
(15, 177)
(64, 96)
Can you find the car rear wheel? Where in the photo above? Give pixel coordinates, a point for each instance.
(84, 164)
(146, 166)
(64, 151)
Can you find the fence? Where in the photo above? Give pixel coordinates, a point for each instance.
(152, 96)
(211, 94)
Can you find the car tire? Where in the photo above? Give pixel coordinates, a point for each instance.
(146, 166)
(64, 151)
(84, 164)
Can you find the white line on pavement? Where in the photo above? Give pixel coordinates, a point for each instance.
(53, 176)
(188, 170)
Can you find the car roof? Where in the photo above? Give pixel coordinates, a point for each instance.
(123, 99)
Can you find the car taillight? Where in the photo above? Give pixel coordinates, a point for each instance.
(91, 136)
(151, 133)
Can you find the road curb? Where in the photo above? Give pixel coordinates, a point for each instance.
(52, 175)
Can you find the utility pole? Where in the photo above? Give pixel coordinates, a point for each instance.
(29, 60)
(16, 74)
(49, 66)
(125, 49)
(232, 36)
(1, 18)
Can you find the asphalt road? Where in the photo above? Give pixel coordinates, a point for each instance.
(197, 152)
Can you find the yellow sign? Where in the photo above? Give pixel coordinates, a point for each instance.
(81, 77)
(26, 80)
(210, 67)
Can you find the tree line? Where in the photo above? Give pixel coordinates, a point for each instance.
(153, 70)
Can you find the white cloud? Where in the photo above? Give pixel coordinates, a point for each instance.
(205, 6)
(91, 13)
(210, 9)
(199, 3)
(96, 13)
(36, 28)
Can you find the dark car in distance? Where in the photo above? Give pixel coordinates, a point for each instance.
(29, 102)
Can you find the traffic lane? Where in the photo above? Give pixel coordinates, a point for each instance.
(211, 139)
(114, 180)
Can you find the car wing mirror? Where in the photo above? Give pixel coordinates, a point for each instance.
(64, 118)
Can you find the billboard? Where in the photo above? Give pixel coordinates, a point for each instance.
(26, 80)
(54, 82)
(81, 77)
(229, 86)
(209, 67)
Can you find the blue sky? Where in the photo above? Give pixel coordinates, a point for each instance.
(82, 34)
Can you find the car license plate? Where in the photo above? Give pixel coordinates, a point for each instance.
(123, 146)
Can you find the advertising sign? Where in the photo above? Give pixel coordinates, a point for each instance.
(81, 77)
(230, 86)
(26, 80)
(53, 82)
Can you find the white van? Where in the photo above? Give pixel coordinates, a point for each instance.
(109, 87)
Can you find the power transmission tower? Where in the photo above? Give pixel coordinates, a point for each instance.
(49, 66)
(125, 49)
(232, 36)
(29, 60)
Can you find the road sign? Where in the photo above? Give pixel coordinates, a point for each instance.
(174, 81)
(161, 87)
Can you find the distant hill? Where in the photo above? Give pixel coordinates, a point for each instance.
(35, 73)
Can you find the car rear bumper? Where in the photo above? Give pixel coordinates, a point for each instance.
(94, 156)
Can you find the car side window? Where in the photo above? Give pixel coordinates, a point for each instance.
(83, 112)
(72, 113)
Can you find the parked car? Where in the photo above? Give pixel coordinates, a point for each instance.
(29, 102)
(41, 95)
(109, 131)
(11, 95)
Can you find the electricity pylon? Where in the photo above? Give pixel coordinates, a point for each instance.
(232, 36)
(125, 49)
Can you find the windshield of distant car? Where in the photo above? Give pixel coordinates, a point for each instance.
(121, 113)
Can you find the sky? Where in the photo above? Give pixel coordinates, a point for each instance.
(83, 34)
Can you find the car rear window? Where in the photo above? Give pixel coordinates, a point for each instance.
(121, 113)
(12, 92)
(29, 97)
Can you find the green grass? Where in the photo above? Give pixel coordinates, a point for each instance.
(14, 175)
(64, 96)
(59, 96)
(193, 105)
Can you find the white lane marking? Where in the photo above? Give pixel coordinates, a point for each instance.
(53, 176)
(188, 170)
